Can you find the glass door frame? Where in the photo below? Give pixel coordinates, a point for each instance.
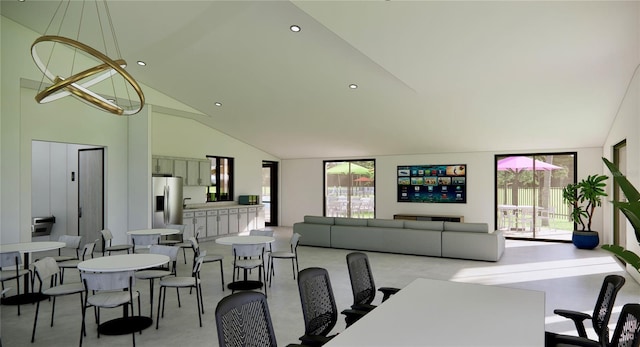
(508, 213)
(362, 187)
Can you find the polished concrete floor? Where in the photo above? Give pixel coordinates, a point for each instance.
(570, 278)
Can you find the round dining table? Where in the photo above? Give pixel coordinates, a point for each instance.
(161, 231)
(245, 240)
(124, 262)
(26, 248)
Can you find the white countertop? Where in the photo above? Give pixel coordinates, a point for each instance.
(215, 206)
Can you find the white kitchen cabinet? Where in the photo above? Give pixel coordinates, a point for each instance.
(260, 220)
(187, 220)
(198, 173)
(233, 221)
(180, 169)
(243, 220)
(200, 223)
(212, 223)
(252, 218)
(223, 222)
(194, 221)
(162, 166)
(205, 172)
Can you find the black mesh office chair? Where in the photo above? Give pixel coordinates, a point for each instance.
(626, 333)
(362, 284)
(319, 307)
(243, 319)
(601, 313)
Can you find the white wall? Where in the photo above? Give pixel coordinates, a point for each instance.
(302, 192)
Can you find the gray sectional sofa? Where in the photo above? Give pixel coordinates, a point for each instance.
(430, 238)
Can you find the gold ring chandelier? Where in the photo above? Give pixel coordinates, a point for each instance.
(75, 66)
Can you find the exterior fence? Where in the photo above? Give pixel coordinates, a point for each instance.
(526, 196)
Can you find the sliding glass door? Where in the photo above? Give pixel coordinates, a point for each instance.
(529, 195)
(349, 188)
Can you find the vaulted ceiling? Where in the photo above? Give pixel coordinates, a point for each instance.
(432, 76)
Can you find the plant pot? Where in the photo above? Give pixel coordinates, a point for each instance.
(585, 239)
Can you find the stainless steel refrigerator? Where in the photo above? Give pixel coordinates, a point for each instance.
(167, 201)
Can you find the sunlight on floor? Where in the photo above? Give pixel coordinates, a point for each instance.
(503, 274)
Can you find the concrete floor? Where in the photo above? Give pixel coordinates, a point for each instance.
(570, 278)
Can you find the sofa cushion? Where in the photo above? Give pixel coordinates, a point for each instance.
(423, 225)
(385, 223)
(357, 222)
(467, 227)
(319, 220)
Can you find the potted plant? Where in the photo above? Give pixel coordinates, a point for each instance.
(584, 197)
(631, 210)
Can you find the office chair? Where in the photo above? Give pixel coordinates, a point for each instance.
(362, 284)
(319, 307)
(243, 319)
(626, 333)
(601, 313)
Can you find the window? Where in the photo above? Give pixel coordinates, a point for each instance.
(349, 188)
(221, 188)
(528, 196)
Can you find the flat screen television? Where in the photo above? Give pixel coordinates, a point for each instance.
(432, 183)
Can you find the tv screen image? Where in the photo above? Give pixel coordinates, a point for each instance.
(432, 183)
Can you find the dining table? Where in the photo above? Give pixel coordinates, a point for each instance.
(245, 284)
(430, 312)
(124, 262)
(162, 231)
(25, 249)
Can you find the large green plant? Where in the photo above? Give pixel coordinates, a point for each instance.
(584, 197)
(631, 210)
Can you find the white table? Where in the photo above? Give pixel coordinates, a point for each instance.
(441, 313)
(161, 231)
(26, 248)
(245, 240)
(124, 262)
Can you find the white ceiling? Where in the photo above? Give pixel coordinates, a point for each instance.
(433, 76)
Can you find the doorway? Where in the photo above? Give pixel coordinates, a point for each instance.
(269, 196)
(91, 194)
(528, 197)
(619, 220)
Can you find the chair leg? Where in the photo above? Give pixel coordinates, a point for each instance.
(53, 309)
(35, 321)
(178, 294)
(222, 275)
(200, 305)
(293, 268)
(159, 301)
(151, 297)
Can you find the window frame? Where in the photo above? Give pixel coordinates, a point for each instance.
(221, 194)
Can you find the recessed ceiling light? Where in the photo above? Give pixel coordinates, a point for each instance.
(353, 86)
(217, 103)
(142, 63)
(295, 28)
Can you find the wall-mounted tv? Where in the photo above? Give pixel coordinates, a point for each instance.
(432, 183)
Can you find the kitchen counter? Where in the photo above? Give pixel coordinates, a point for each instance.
(215, 206)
